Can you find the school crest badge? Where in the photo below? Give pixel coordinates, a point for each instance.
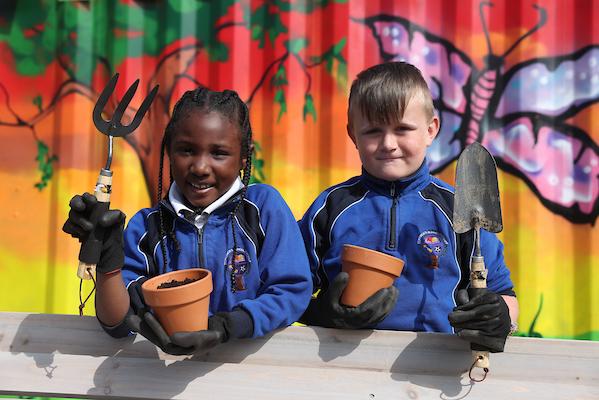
(238, 268)
(434, 244)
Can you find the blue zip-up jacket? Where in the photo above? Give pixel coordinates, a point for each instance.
(409, 219)
(272, 267)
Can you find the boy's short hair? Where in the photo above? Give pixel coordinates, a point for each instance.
(382, 92)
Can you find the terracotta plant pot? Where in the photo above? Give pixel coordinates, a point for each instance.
(369, 271)
(181, 308)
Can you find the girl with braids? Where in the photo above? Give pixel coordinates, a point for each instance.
(210, 218)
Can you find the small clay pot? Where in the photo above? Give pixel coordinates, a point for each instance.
(369, 270)
(182, 308)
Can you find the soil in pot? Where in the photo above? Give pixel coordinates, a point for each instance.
(175, 283)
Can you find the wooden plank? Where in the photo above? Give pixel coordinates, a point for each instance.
(64, 355)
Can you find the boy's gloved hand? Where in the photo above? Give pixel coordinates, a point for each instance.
(483, 320)
(79, 226)
(142, 321)
(327, 311)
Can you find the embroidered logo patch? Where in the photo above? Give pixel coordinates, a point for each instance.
(238, 267)
(434, 244)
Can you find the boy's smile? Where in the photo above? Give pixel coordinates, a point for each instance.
(394, 151)
(205, 157)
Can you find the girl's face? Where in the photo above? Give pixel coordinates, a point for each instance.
(205, 157)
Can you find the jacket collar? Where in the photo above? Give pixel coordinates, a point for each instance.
(175, 197)
(222, 206)
(418, 179)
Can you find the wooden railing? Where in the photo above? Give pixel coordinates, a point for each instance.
(70, 356)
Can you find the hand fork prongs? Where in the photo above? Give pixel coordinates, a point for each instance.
(114, 127)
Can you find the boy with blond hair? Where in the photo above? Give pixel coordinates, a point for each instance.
(396, 207)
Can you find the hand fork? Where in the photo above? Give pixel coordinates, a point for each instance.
(91, 249)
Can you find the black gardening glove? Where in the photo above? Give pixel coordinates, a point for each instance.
(483, 320)
(141, 320)
(79, 225)
(327, 311)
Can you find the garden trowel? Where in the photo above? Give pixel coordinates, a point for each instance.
(476, 206)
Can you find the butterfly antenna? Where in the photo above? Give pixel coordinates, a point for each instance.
(542, 21)
(482, 20)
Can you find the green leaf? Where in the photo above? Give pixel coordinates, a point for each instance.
(258, 175)
(329, 57)
(329, 65)
(256, 32)
(316, 59)
(342, 74)
(296, 45)
(44, 165)
(280, 77)
(309, 107)
(339, 46)
(263, 23)
(37, 100)
(280, 98)
(277, 28)
(217, 51)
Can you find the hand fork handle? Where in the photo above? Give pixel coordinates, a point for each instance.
(91, 249)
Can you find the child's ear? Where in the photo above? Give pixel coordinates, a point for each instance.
(433, 129)
(351, 135)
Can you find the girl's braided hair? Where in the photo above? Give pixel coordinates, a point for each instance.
(229, 105)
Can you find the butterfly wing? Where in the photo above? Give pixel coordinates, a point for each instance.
(447, 71)
(555, 86)
(559, 162)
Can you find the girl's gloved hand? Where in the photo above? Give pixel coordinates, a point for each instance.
(483, 320)
(79, 225)
(327, 311)
(221, 327)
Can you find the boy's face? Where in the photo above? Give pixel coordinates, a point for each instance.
(205, 157)
(394, 152)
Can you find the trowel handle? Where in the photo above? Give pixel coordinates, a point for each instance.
(478, 286)
(91, 249)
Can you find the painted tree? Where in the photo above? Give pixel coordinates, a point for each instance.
(87, 42)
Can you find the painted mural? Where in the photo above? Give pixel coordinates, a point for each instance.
(521, 77)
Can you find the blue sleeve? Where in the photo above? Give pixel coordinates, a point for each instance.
(309, 235)
(498, 275)
(135, 266)
(287, 286)
(137, 263)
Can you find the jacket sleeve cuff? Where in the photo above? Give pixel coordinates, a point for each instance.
(120, 330)
(237, 324)
(240, 324)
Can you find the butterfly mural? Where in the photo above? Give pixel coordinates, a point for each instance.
(519, 115)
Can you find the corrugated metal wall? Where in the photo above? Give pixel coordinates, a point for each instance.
(530, 67)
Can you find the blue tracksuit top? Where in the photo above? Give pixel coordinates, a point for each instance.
(271, 259)
(409, 219)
